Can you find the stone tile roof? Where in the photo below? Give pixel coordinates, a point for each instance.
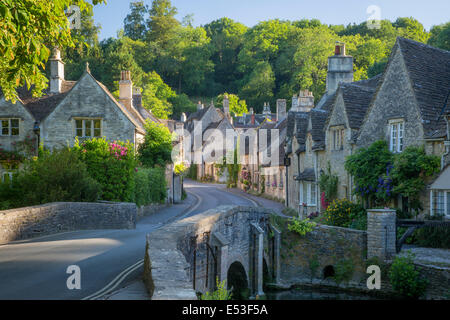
(197, 115)
(307, 175)
(357, 99)
(429, 71)
(318, 119)
(41, 107)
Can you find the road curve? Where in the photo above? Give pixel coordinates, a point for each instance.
(36, 268)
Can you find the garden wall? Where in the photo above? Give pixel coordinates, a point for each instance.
(29, 222)
(313, 257)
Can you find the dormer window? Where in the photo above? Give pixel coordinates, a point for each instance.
(9, 127)
(337, 138)
(88, 128)
(396, 135)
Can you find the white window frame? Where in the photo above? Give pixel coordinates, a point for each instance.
(436, 193)
(311, 198)
(10, 127)
(83, 127)
(396, 133)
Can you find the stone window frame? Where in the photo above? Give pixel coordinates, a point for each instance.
(83, 128)
(10, 127)
(337, 137)
(4, 173)
(397, 140)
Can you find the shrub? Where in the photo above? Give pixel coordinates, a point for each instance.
(344, 213)
(344, 271)
(157, 146)
(53, 177)
(221, 293)
(405, 278)
(112, 165)
(301, 227)
(150, 186)
(432, 237)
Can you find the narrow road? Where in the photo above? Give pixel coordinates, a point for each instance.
(36, 268)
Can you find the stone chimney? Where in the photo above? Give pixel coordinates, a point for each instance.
(266, 111)
(281, 109)
(126, 89)
(340, 68)
(294, 103)
(252, 116)
(56, 71)
(226, 106)
(305, 101)
(199, 106)
(183, 117)
(137, 97)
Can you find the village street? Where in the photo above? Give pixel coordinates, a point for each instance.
(36, 269)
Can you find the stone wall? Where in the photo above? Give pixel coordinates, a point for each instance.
(29, 222)
(326, 247)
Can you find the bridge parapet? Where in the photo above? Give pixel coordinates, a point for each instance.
(187, 256)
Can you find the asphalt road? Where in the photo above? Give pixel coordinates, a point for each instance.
(36, 269)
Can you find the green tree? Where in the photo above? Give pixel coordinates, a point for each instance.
(237, 106)
(157, 146)
(134, 23)
(259, 86)
(440, 36)
(156, 95)
(29, 31)
(227, 37)
(162, 23)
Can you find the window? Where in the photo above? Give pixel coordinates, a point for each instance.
(441, 202)
(7, 176)
(9, 127)
(337, 139)
(308, 193)
(88, 128)
(397, 130)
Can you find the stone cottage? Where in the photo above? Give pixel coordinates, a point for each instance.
(69, 109)
(409, 109)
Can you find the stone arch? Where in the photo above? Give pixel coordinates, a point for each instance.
(328, 272)
(237, 280)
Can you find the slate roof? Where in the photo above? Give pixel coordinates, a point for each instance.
(301, 120)
(318, 119)
(357, 99)
(197, 115)
(429, 71)
(307, 175)
(41, 107)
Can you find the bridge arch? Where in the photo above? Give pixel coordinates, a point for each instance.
(237, 281)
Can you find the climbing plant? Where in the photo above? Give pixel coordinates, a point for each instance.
(328, 183)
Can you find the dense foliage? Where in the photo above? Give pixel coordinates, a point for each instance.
(221, 293)
(53, 177)
(112, 165)
(157, 146)
(30, 29)
(405, 278)
(370, 168)
(301, 227)
(344, 213)
(328, 183)
(150, 186)
(380, 175)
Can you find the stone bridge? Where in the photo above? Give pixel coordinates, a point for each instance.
(232, 243)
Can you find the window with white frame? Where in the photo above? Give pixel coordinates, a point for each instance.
(9, 127)
(7, 176)
(396, 132)
(441, 202)
(88, 128)
(308, 193)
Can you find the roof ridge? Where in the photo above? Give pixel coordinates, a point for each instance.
(418, 43)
